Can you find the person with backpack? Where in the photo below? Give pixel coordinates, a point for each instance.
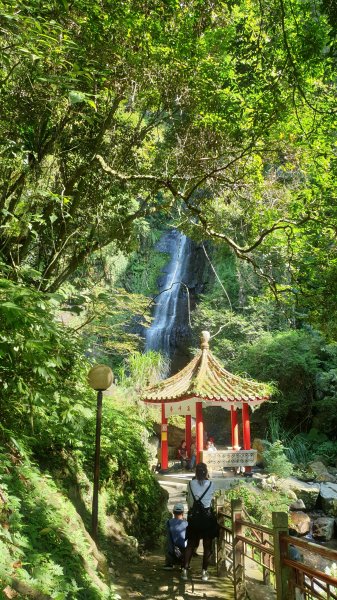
(175, 538)
(202, 522)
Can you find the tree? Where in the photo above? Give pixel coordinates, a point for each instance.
(113, 110)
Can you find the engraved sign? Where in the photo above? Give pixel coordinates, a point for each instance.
(224, 459)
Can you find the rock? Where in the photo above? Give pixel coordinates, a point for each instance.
(323, 528)
(328, 495)
(319, 458)
(132, 541)
(300, 521)
(297, 505)
(320, 472)
(259, 476)
(332, 471)
(265, 485)
(260, 446)
(308, 492)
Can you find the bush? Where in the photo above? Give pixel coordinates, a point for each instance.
(259, 503)
(43, 543)
(297, 448)
(276, 461)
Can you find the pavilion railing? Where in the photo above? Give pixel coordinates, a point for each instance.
(243, 543)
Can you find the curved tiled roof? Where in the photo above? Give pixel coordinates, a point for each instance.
(206, 379)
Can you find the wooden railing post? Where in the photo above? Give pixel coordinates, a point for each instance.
(219, 549)
(238, 555)
(280, 525)
(265, 560)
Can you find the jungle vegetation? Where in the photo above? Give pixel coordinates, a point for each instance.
(120, 119)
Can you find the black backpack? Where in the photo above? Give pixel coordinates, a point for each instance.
(198, 512)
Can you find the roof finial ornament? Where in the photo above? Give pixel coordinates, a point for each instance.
(205, 337)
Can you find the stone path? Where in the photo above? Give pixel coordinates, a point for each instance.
(146, 579)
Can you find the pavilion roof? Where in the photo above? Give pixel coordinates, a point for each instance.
(204, 378)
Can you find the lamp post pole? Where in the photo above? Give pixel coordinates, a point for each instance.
(100, 378)
(97, 464)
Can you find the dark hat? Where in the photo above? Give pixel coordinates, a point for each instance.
(178, 508)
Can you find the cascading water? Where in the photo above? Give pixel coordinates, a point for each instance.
(158, 336)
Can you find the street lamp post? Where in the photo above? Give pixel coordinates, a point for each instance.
(100, 378)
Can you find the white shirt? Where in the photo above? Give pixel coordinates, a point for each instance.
(198, 489)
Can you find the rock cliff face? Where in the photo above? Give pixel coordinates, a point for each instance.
(183, 278)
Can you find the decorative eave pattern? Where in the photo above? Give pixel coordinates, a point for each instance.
(204, 378)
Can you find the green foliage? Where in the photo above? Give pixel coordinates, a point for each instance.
(47, 404)
(220, 113)
(133, 492)
(42, 539)
(143, 369)
(276, 461)
(259, 503)
(327, 450)
(218, 116)
(290, 359)
(144, 266)
(296, 446)
(113, 310)
(42, 370)
(321, 446)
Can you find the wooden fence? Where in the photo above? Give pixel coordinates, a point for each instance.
(283, 560)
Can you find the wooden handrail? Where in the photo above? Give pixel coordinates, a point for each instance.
(326, 552)
(252, 525)
(261, 547)
(315, 573)
(225, 528)
(269, 548)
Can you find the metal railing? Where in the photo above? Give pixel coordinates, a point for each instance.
(282, 566)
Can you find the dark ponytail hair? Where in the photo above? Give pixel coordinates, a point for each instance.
(201, 472)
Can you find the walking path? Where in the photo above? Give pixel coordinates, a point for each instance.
(147, 580)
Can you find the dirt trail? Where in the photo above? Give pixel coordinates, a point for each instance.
(148, 580)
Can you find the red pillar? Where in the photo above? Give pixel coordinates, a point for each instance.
(188, 433)
(199, 429)
(246, 430)
(246, 426)
(164, 444)
(235, 428)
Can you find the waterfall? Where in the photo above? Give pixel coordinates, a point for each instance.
(158, 336)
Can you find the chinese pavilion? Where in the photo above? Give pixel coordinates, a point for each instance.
(202, 383)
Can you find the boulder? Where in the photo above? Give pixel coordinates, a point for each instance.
(260, 446)
(320, 472)
(259, 476)
(298, 504)
(328, 496)
(323, 528)
(268, 483)
(300, 521)
(308, 492)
